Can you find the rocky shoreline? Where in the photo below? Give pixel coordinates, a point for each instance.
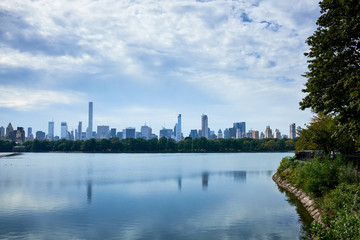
(304, 198)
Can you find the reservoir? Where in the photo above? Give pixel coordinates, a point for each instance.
(146, 196)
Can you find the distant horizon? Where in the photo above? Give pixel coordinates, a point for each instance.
(236, 61)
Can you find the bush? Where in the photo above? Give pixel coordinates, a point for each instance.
(317, 177)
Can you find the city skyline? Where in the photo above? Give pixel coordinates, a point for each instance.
(233, 60)
(238, 130)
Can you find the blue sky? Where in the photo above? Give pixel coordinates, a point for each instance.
(147, 61)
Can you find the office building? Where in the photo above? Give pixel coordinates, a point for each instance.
(204, 126)
(292, 131)
(103, 132)
(193, 134)
(166, 133)
(119, 135)
(64, 130)
(79, 131)
(178, 134)
(129, 132)
(2, 131)
(146, 132)
(112, 132)
(89, 130)
(40, 135)
(226, 133)
(50, 135)
(240, 129)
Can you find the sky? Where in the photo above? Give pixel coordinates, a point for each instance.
(148, 61)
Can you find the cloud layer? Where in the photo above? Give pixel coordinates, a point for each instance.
(234, 60)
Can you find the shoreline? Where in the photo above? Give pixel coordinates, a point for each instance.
(305, 199)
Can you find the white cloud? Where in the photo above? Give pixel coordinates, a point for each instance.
(25, 99)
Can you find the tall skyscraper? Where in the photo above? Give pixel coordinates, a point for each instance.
(90, 124)
(178, 129)
(50, 130)
(204, 126)
(292, 131)
(268, 132)
(146, 132)
(64, 130)
(240, 129)
(79, 131)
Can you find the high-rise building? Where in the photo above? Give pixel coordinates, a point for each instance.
(226, 133)
(255, 135)
(2, 131)
(89, 130)
(292, 131)
(29, 132)
(20, 135)
(64, 130)
(50, 135)
(249, 134)
(204, 126)
(240, 129)
(268, 132)
(40, 135)
(146, 132)
(119, 135)
(277, 134)
(166, 133)
(178, 134)
(103, 132)
(129, 132)
(193, 134)
(113, 132)
(79, 131)
(219, 135)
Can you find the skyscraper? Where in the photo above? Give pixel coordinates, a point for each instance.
(103, 132)
(178, 129)
(268, 132)
(64, 130)
(240, 129)
(146, 132)
(50, 130)
(79, 131)
(292, 131)
(2, 131)
(90, 124)
(204, 126)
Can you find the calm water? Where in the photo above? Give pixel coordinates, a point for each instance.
(145, 196)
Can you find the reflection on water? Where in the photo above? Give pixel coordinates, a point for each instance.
(145, 196)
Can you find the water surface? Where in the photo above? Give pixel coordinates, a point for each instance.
(145, 196)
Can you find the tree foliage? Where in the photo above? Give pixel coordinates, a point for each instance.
(333, 85)
(162, 145)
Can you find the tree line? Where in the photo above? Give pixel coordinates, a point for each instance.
(114, 145)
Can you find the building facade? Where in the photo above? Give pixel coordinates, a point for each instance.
(89, 133)
(204, 126)
(64, 130)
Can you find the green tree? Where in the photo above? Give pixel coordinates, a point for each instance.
(333, 85)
